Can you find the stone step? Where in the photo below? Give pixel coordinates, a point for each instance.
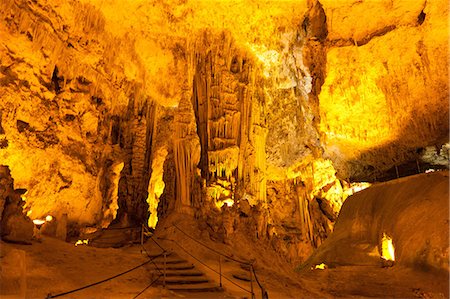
(169, 261)
(197, 288)
(184, 273)
(242, 276)
(183, 280)
(245, 267)
(158, 255)
(185, 266)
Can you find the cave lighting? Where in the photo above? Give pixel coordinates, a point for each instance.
(38, 221)
(356, 187)
(81, 242)
(49, 218)
(321, 266)
(229, 202)
(387, 248)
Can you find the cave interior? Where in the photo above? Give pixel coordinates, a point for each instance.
(224, 149)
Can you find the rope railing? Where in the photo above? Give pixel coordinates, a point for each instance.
(150, 260)
(163, 273)
(101, 281)
(250, 264)
(145, 289)
(143, 228)
(121, 228)
(204, 264)
(213, 250)
(152, 239)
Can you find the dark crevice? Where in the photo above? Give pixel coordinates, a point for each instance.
(4, 143)
(421, 18)
(2, 131)
(57, 80)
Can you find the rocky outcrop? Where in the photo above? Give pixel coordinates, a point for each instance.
(15, 226)
(385, 94)
(129, 111)
(394, 209)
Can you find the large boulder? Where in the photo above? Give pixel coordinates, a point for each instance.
(17, 229)
(15, 226)
(413, 211)
(6, 186)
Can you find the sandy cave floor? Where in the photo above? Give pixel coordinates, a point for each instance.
(54, 266)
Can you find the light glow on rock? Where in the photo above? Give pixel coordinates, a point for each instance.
(322, 266)
(156, 185)
(82, 242)
(229, 202)
(38, 221)
(387, 248)
(356, 187)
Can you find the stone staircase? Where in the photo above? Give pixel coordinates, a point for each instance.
(181, 275)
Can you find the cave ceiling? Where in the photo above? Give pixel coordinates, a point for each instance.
(363, 84)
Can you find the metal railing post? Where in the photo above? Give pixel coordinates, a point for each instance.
(251, 281)
(220, 269)
(164, 279)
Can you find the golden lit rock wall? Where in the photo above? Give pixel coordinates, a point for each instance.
(134, 80)
(386, 89)
(62, 81)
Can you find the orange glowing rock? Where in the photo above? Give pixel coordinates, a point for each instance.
(387, 248)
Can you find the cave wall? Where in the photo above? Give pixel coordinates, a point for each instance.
(393, 208)
(66, 92)
(125, 109)
(386, 87)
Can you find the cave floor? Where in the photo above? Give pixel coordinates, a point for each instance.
(376, 282)
(54, 267)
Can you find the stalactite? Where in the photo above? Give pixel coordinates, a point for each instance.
(304, 213)
(232, 134)
(186, 150)
(67, 47)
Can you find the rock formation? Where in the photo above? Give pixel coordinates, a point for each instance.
(121, 112)
(14, 225)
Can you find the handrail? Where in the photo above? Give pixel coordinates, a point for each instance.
(252, 269)
(146, 229)
(150, 260)
(215, 251)
(145, 289)
(101, 281)
(120, 228)
(205, 264)
(264, 294)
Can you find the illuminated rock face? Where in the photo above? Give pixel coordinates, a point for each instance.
(115, 111)
(386, 88)
(381, 223)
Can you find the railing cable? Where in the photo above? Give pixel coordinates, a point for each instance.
(204, 264)
(252, 269)
(102, 281)
(147, 286)
(217, 252)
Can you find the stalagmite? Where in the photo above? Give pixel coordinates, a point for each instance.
(253, 126)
